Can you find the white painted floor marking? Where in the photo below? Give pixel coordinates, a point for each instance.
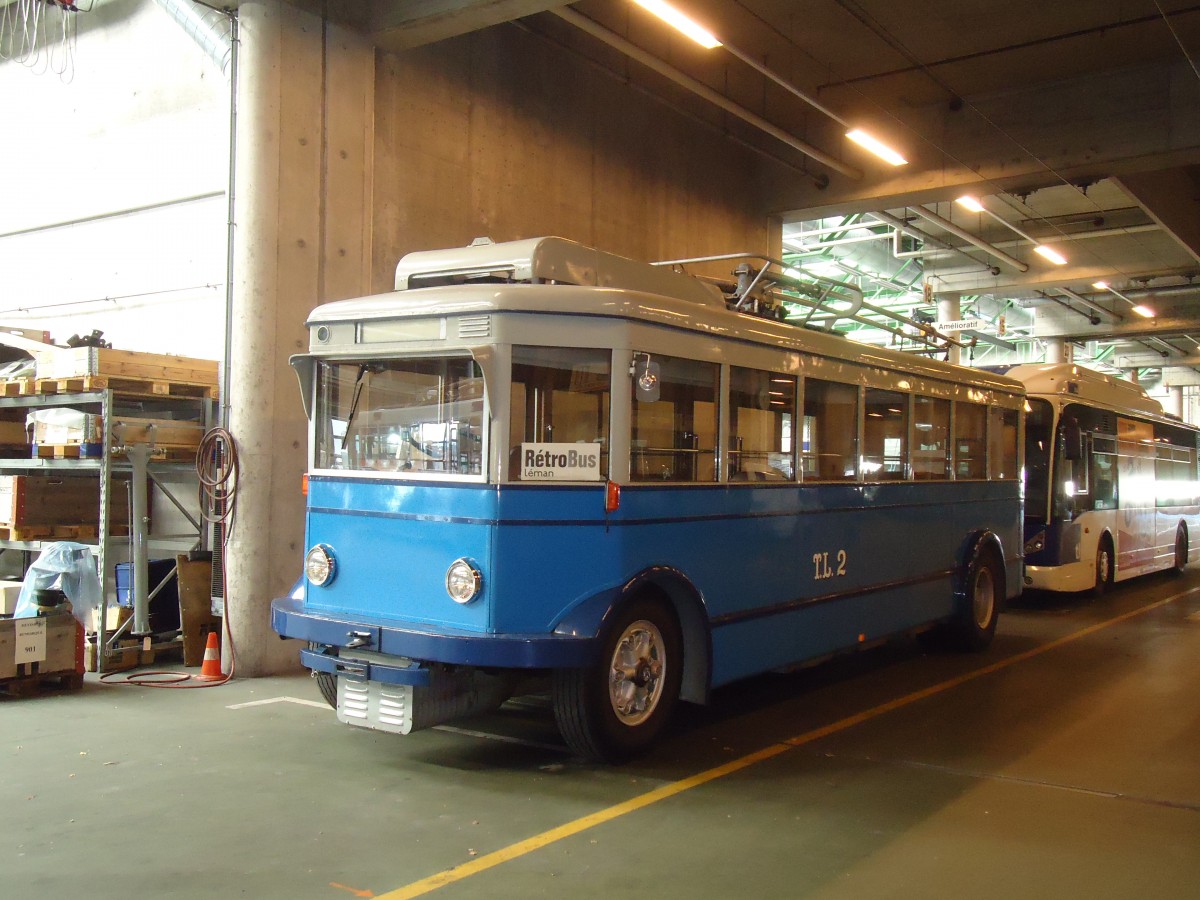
(488, 736)
(317, 703)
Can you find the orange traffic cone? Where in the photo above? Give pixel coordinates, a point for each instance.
(210, 669)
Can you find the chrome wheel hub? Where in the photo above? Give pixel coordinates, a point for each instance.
(636, 671)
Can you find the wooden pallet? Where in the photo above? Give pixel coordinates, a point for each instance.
(36, 683)
(59, 532)
(140, 386)
(67, 451)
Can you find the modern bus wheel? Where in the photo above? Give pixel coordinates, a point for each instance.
(1104, 566)
(1181, 550)
(616, 708)
(975, 622)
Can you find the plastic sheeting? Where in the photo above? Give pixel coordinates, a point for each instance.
(68, 567)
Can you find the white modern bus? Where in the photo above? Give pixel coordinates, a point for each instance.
(1111, 487)
(538, 458)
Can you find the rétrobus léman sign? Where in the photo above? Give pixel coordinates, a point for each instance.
(560, 462)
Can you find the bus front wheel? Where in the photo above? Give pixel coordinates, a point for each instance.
(1181, 550)
(1104, 567)
(617, 707)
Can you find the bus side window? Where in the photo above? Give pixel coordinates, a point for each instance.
(761, 409)
(1104, 473)
(970, 426)
(830, 430)
(885, 435)
(675, 437)
(558, 395)
(1002, 436)
(931, 452)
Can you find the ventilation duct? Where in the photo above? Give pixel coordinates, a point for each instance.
(211, 30)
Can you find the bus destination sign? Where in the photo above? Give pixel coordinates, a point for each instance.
(560, 462)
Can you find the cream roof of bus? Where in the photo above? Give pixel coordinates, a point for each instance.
(627, 290)
(1085, 385)
(554, 259)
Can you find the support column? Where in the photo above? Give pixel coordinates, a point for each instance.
(1058, 350)
(284, 162)
(949, 309)
(1174, 404)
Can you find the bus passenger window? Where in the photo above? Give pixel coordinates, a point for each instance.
(970, 426)
(1002, 435)
(885, 436)
(931, 452)
(830, 436)
(560, 396)
(761, 408)
(675, 437)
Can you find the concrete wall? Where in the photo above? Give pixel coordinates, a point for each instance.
(498, 133)
(112, 210)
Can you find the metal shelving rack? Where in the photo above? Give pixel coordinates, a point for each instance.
(111, 460)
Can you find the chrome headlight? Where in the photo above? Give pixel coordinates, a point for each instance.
(463, 581)
(319, 565)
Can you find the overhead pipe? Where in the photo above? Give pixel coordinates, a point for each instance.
(583, 23)
(1095, 307)
(1078, 236)
(902, 227)
(210, 29)
(983, 245)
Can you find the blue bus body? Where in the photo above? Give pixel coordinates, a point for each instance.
(631, 592)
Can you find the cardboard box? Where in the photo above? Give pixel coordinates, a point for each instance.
(10, 591)
(65, 426)
(48, 500)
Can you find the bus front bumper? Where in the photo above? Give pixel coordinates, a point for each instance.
(374, 635)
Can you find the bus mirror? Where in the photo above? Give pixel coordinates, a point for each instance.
(646, 384)
(1072, 439)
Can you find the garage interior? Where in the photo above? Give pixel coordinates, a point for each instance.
(1049, 198)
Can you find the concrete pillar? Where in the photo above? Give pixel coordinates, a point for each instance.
(949, 309)
(1058, 351)
(286, 260)
(1174, 404)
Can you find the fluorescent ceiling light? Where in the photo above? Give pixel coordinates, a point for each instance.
(880, 149)
(1144, 311)
(1100, 285)
(1053, 255)
(680, 22)
(971, 203)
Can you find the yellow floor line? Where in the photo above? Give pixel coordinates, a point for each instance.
(522, 848)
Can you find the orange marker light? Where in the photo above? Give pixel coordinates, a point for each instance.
(304, 485)
(612, 497)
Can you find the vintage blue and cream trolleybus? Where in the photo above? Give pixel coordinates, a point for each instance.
(534, 458)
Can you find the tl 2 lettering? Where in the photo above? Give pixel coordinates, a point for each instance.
(822, 568)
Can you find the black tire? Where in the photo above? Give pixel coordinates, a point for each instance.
(616, 708)
(326, 682)
(1181, 550)
(1105, 567)
(974, 623)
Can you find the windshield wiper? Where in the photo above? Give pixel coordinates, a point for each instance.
(358, 386)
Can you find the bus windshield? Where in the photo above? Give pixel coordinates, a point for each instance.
(418, 416)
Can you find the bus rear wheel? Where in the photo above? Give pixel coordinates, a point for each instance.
(1104, 567)
(1181, 550)
(616, 708)
(974, 625)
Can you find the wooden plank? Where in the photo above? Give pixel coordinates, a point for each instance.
(85, 361)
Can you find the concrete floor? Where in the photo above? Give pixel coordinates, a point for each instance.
(1065, 762)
